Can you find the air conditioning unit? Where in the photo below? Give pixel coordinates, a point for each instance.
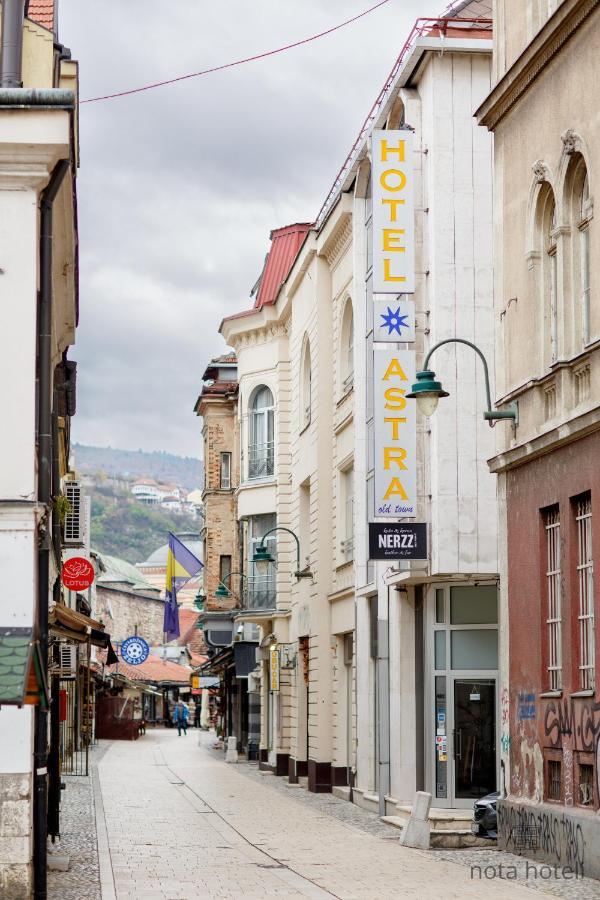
(75, 518)
(67, 661)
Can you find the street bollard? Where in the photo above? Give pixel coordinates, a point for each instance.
(232, 754)
(417, 831)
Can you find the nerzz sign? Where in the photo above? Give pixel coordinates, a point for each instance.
(393, 213)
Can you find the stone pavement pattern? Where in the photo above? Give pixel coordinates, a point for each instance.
(78, 840)
(182, 824)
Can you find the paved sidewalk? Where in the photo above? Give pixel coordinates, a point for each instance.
(183, 825)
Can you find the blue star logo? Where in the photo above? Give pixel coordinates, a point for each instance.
(393, 321)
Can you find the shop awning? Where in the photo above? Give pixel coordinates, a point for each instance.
(22, 677)
(218, 663)
(76, 626)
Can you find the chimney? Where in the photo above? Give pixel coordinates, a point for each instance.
(11, 43)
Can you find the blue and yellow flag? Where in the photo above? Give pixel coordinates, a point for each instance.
(181, 566)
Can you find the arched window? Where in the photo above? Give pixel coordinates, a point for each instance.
(261, 450)
(584, 231)
(545, 226)
(347, 349)
(578, 216)
(305, 385)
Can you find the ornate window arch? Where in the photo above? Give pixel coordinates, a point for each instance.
(578, 212)
(261, 437)
(305, 383)
(346, 348)
(543, 255)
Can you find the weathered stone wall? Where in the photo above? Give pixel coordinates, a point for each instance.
(128, 611)
(15, 836)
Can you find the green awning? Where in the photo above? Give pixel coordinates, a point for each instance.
(22, 679)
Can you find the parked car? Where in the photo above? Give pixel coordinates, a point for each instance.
(485, 819)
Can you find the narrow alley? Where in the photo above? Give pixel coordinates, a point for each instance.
(174, 821)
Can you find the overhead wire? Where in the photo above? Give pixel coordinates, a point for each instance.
(237, 62)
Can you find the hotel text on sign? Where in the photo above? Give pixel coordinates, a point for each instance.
(393, 213)
(395, 434)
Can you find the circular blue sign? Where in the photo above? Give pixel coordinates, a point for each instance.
(135, 650)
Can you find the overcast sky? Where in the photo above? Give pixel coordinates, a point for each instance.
(179, 187)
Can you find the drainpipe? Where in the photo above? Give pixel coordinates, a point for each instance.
(44, 453)
(11, 43)
(383, 692)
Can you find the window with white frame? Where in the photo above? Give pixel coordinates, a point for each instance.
(261, 589)
(225, 471)
(585, 573)
(347, 513)
(546, 248)
(347, 349)
(305, 385)
(554, 598)
(553, 282)
(261, 448)
(584, 236)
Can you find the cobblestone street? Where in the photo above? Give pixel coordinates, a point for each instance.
(174, 821)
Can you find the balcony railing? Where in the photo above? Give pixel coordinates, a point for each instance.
(261, 592)
(261, 460)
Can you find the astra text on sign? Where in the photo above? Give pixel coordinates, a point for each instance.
(395, 434)
(397, 541)
(393, 213)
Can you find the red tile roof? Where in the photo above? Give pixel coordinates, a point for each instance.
(285, 244)
(153, 669)
(42, 12)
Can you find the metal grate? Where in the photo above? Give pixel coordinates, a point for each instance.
(553, 589)
(554, 768)
(585, 572)
(586, 784)
(74, 519)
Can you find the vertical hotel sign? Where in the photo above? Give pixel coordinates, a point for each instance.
(395, 435)
(393, 212)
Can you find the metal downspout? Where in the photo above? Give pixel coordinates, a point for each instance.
(11, 43)
(383, 694)
(44, 442)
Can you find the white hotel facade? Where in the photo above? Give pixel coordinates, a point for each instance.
(388, 671)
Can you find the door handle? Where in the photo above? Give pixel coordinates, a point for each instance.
(457, 744)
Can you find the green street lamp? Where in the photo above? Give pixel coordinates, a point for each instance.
(262, 559)
(427, 391)
(222, 592)
(200, 599)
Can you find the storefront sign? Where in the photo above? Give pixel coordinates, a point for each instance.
(394, 320)
(397, 541)
(393, 213)
(395, 432)
(134, 650)
(274, 664)
(77, 573)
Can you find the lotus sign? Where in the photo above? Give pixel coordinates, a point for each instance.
(77, 573)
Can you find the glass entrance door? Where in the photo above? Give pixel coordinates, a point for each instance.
(473, 738)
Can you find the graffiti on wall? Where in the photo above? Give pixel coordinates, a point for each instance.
(526, 706)
(553, 835)
(578, 719)
(505, 720)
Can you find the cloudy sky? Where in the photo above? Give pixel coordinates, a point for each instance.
(180, 186)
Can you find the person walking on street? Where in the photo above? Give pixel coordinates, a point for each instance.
(180, 717)
(197, 712)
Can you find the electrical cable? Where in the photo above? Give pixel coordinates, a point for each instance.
(237, 62)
